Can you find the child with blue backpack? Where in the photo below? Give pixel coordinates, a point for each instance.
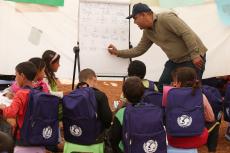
(138, 68)
(52, 59)
(37, 82)
(216, 101)
(187, 109)
(137, 127)
(86, 116)
(25, 74)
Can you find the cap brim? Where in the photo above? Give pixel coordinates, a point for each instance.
(129, 17)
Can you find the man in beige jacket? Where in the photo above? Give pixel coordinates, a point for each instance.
(181, 45)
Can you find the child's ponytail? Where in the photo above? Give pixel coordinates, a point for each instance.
(187, 76)
(195, 86)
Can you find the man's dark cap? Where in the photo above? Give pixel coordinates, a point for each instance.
(138, 8)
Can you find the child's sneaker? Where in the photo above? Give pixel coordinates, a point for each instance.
(227, 134)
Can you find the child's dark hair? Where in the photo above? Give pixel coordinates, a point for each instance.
(38, 62)
(137, 68)
(86, 74)
(187, 76)
(28, 69)
(49, 58)
(133, 89)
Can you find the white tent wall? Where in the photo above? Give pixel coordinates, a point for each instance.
(59, 33)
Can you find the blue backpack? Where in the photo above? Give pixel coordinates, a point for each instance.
(40, 126)
(215, 99)
(143, 129)
(227, 104)
(150, 96)
(80, 120)
(184, 112)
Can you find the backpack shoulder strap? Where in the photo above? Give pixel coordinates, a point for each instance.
(27, 87)
(93, 99)
(39, 88)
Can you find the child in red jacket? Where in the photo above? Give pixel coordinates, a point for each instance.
(25, 74)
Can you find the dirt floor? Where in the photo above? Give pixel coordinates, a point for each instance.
(113, 91)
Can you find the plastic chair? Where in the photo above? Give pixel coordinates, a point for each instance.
(95, 148)
(171, 149)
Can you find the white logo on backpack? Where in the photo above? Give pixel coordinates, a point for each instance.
(150, 146)
(184, 121)
(47, 132)
(75, 130)
(227, 111)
